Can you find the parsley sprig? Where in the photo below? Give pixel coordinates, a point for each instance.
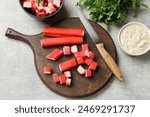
(40, 1)
(111, 12)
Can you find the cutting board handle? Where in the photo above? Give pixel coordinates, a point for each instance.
(11, 33)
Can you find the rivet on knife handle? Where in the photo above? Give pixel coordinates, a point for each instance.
(109, 61)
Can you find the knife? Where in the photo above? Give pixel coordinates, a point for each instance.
(100, 46)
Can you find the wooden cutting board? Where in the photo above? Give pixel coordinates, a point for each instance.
(81, 86)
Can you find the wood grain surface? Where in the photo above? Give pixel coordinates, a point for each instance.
(81, 86)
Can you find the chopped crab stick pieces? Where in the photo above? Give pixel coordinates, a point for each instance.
(79, 54)
(81, 70)
(47, 70)
(62, 79)
(91, 55)
(85, 47)
(57, 2)
(88, 61)
(55, 78)
(61, 41)
(67, 74)
(80, 60)
(68, 82)
(88, 73)
(67, 50)
(27, 4)
(74, 49)
(55, 54)
(63, 32)
(93, 66)
(67, 65)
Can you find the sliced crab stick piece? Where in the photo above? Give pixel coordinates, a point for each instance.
(61, 41)
(67, 50)
(74, 49)
(81, 70)
(55, 78)
(34, 6)
(68, 82)
(91, 55)
(62, 79)
(85, 47)
(79, 54)
(93, 66)
(55, 54)
(27, 4)
(47, 70)
(67, 74)
(88, 73)
(57, 2)
(67, 65)
(88, 61)
(63, 32)
(80, 60)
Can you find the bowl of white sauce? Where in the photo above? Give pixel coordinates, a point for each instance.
(134, 39)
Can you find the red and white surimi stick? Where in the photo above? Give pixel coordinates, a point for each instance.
(85, 47)
(61, 41)
(47, 10)
(47, 70)
(55, 78)
(67, 74)
(81, 70)
(55, 54)
(67, 65)
(91, 55)
(68, 82)
(57, 2)
(67, 50)
(93, 66)
(40, 11)
(27, 4)
(74, 49)
(62, 79)
(79, 54)
(80, 60)
(88, 61)
(34, 6)
(88, 73)
(63, 32)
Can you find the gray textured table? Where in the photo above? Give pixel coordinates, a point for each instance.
(18, 76)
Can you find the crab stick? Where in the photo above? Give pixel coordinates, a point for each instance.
(67, 74)
(62, 79)
(67, 50)
(74, 49)
(88, 61)
(55, 54)
(67, 65)
(68, 82)
(85, 47)
(55, 78)
(47, 70)
(62, 32)
(61, 41)
(88, 73)
(91, 55)
(93, 66)
(81, 70)
(80, 60)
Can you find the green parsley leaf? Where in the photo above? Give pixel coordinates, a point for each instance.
(111, 12)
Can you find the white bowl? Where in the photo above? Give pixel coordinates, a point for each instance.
(119, 40)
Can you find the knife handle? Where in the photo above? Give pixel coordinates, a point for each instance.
(110, 61)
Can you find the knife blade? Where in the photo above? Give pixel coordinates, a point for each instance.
(96, 39)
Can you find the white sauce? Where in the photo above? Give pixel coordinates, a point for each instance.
(135, 39)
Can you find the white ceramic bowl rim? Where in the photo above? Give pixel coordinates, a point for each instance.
(121, 32)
